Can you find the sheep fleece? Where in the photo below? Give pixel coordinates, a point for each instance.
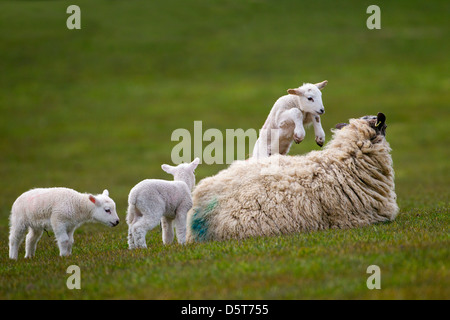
(348, 184)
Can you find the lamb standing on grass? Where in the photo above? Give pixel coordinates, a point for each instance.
(287, 118)
(60, 209)
(153, 200)
(350, 183)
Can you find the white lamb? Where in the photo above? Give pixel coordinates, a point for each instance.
(60, 209)
(287, 118)
(152, 201)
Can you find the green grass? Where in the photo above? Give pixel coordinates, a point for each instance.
(95, 108)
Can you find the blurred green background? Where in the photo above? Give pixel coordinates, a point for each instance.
(95, 108)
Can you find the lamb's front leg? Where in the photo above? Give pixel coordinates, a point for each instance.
(63, 240)
(318, 131)
(296, 116)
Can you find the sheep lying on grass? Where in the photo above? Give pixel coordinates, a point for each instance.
(60, 209)
(153, 200)
(350, 183)
(285, 122)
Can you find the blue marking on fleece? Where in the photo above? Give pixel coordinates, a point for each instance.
(200, 225)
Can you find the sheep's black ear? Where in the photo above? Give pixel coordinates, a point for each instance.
(341, 125)
(380, 126)
(381, 119)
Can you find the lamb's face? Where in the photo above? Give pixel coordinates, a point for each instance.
(105, 209)
(311, 97)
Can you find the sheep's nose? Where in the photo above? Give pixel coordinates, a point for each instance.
(322, 111)
(115, 223)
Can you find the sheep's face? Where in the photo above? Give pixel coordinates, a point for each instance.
(105, 209)
(378, 123)
(311, 97)
(183, 172)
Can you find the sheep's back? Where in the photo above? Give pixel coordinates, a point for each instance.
(285, 194)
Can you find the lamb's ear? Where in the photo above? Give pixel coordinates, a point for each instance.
(295, 91)
(341, 125)
(322, 84)
(195, 163)
(92, 199)
(106, 192)
(168, 169)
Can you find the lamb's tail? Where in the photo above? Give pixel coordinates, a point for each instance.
(133, 213)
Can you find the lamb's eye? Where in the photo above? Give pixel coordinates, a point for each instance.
(310, 99)
(108, 210)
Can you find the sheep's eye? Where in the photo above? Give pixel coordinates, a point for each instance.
(310, 99)
(108, 210)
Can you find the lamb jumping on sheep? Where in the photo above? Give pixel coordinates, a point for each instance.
(60, 209)
(287, 118)
(350, 183)
(154, 200)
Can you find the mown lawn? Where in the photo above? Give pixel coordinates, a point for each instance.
(95, 108)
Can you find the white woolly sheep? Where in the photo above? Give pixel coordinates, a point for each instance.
(60, 209)
(287, 119)
(350, 183)
(152, 201)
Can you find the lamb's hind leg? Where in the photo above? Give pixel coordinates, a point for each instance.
(133, 215)
(16, 236)
(167, 230)
(148, 221)
(33, 236)
(180, 221)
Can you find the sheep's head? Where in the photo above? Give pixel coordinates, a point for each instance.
(105, 209)
(378, 123)
(183, 172)
(310, 97)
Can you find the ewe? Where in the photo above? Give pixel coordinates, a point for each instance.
(285, 122)
(350, 183)
(60, 209)
(154, 200)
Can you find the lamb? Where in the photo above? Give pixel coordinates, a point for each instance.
(154, 200)
(287, 119)
(60, 209)
(348, 184)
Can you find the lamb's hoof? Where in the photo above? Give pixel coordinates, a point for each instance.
(319, 142)
(297, 139)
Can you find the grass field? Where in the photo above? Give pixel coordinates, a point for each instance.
(95, 108)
